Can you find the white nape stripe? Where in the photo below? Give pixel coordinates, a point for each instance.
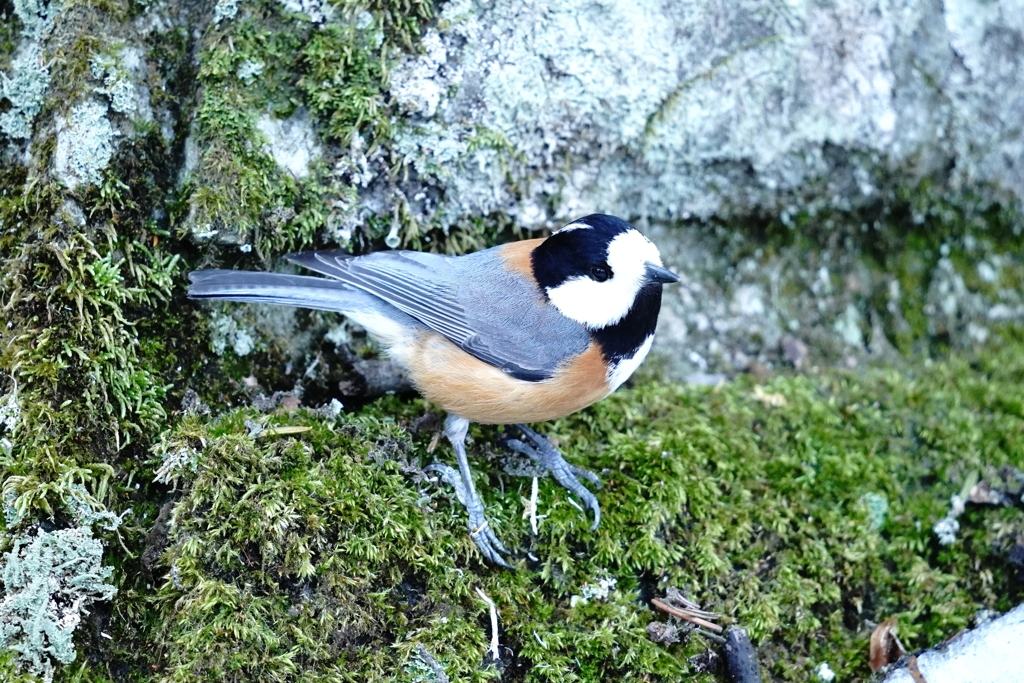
(575, 225)
(600, 304)
(621, 371)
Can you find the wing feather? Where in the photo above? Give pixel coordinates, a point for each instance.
(432, 289)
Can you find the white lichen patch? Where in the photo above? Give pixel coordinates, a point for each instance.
(116, 83)
(49, 579)
(225, 333)
(292, 142)
(88, 511)
(598, 589)
(877, 507)
(947, 528)
(191, 160)
(249, 71)
(24, 89)
(175, 462)
(25, 85)
(848, 326)
(332, 410)
(225, 9)
(10, 411)
(748, 300)
(318, 11)
(85, 143)
(418, 83)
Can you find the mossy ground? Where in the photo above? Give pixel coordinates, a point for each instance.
(326, 553)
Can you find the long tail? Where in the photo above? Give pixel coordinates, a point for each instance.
(276, 288)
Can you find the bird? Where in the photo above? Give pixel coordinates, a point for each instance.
(523, 332)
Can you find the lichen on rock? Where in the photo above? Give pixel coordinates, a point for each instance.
(25, 86)
(49, 579)
(663, 111)
(85, 143)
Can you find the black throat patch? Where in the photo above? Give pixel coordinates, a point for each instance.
(624, 338)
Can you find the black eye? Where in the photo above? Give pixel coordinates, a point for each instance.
(601, 273)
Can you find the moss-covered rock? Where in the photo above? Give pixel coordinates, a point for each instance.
(304, 546)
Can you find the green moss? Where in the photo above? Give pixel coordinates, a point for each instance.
(92, 344)
(10, 35)
(343, 81)
(339, 72)
(326, 553)
(87, 390)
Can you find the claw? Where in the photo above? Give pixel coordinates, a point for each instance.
(489, 544)
(586, 474)
(549, 457)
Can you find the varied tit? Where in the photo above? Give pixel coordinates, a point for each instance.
(524, 332)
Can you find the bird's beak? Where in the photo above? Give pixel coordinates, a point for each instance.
(656, 273)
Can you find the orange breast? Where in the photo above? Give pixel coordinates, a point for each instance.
(470, 388)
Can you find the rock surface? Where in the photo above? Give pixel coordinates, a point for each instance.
(992, 652)
(660, 110)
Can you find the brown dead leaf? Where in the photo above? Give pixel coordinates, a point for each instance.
(886, 647)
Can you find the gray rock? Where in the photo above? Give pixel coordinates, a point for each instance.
(548, 110)
(991, 652)
(292, 141)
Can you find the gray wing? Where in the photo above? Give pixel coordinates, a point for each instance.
(488, 311)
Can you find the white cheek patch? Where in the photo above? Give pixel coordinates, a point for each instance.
(590, 303)
(621, 371)
(600, 304)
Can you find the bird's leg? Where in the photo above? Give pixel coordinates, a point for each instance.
(456, 428)
(544, 454)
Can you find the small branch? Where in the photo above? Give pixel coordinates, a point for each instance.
(694, 616)
(711, 636)
(494, 649)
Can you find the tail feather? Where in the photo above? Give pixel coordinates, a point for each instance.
(276, 288)
(382, 320)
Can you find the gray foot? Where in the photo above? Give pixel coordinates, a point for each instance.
(480, 531)
(547, 456)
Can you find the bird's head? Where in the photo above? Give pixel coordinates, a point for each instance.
(599, 269)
